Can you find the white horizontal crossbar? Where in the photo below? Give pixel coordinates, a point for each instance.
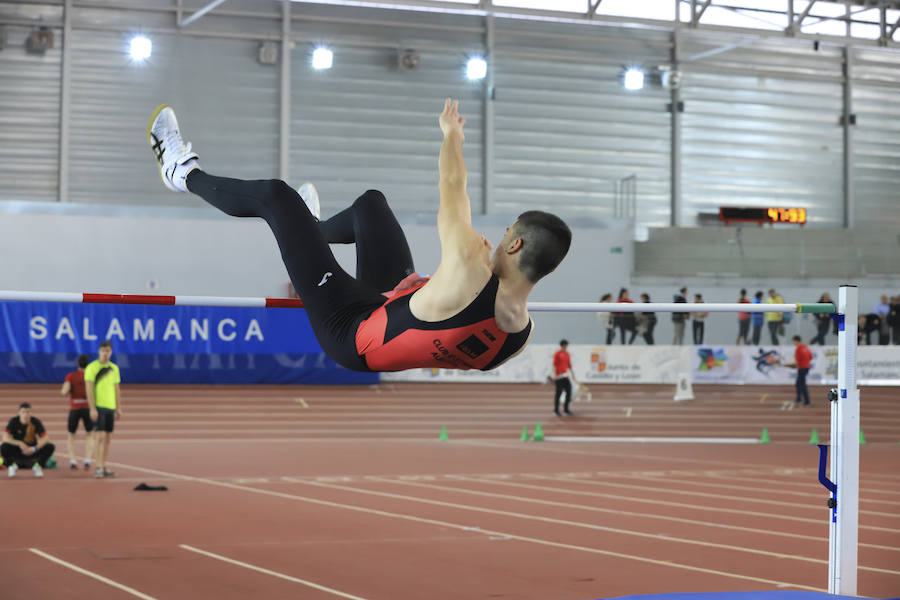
(294, 303)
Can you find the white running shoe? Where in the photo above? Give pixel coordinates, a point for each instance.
(175, 158)
(38, 471)
(12, 470)
(310, 196)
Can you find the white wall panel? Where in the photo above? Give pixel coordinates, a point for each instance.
(762, 126)
(366, 124)
(227, 104)
(566, 129)
(29, 120)
(876, 138)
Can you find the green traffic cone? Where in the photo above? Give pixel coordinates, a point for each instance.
(764, 438)
(814, 438)
(538, 434)
(443, 437)
(862, 438)
(524, 437)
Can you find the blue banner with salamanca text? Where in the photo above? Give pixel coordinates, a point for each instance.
(40, 341)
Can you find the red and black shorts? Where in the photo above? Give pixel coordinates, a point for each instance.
(80, 414)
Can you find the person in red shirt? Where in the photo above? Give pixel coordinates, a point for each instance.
(802, 361)
(562, 372)
(73, 387)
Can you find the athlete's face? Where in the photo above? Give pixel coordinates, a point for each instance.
(24, 415)
(105, 353)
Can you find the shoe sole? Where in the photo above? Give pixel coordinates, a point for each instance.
(153, 118)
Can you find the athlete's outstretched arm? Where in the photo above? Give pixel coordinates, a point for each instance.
(455, 212)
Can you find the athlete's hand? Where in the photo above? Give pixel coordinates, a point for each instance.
(119, 413)
(95, 415)
(450, 120)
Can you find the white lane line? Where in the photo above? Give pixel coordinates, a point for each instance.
(457, 526)
(100, 578)
(754, 483)
(579, 524)
(567, 491)
(755, 500)
(232, 561)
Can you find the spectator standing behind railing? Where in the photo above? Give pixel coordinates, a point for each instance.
(823, 320)
(774, 320)
(867, 325)
(605, 320)
(894, 320)
(756, 318)
(678, 318)
(699, 318)
(743, 321)
(646, 322)
(627, 322)
(883, 309)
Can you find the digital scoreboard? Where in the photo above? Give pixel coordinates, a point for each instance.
(762, 215)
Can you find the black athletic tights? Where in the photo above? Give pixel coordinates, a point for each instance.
(335, 302)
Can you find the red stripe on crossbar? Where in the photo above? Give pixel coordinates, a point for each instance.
(127, 299)
(283, 303)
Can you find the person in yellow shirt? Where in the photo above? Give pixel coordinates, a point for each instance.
(773, 319)
(101, 379)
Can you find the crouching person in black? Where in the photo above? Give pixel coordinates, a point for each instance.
(26, 443)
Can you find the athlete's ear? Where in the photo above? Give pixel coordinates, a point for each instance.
(515, 246)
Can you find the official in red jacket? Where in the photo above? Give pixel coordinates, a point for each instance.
(802, 361)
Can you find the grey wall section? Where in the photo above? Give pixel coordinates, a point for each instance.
(367, 124)
(876, 139)
(566, 130)
(29, 120)
(761, 123)
(227, 104)
(238, 257)
(762, 127)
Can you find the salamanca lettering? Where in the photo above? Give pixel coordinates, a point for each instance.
(142, 330)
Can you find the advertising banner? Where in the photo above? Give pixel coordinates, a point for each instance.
(40, 341)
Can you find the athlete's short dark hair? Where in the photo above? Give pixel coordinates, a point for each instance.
(545, 240)
(24, 405)
(83, 360)
(563, 342)
(106, 344)
(797, 338)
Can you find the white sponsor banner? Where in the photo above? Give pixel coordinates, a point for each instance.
(631, 364)
(758, 364)
(876, 365)
(736, 365)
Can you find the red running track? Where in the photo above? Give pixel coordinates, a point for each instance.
(337, 492)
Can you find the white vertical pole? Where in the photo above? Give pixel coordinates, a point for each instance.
(675, 199)
(284, 167)
(844, 531)
(65, 103)
(487, 205)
